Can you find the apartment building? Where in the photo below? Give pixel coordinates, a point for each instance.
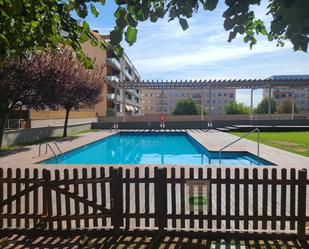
(301, 95)
(124, 101)
(152, 99)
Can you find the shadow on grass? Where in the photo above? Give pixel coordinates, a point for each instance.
(22, 241)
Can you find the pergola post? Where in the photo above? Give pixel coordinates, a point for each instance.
(269, 104)
(209, 111)
(293, 105)
(162, 107)
(124, 105)
(202, 106)
(115, 108)
(251, 106)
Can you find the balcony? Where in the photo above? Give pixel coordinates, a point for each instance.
(112, 95)
(114, 78)
(113, 62)
(127, 74)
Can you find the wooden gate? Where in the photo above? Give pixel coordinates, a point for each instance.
(230, 201)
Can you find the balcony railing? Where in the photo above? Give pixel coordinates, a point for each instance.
(113, 78)
(127, 74)
(113, 62)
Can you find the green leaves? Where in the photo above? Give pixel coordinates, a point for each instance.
(184, 24)
(116, 36)
(131, 35)
(210, 4)
(17, 6)
(94, 10)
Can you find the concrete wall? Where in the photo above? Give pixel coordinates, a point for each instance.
(186, 124)
(22, 136)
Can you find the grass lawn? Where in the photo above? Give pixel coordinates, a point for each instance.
(296, 142)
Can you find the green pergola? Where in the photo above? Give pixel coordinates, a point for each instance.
(252, 84)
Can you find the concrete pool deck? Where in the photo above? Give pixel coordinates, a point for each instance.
(213, 140)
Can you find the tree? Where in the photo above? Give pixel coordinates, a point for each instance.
(15, 88)
(263, 106)
(236, 108)
(27, 25)
(63, 82)
(286, 106)
(187, 107)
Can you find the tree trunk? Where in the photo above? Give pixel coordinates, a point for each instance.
(65, 128)
(3, 121)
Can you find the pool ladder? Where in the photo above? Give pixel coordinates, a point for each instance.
(245, 135)
(48, 145)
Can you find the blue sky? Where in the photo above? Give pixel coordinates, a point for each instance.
(164, 51)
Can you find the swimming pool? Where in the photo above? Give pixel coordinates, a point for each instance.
(152, 148)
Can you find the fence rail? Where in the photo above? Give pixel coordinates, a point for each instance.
(209, 200)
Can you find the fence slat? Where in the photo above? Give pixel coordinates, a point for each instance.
(36, 198)
(293, 198)
(209, 177)
(201, 193)
(182, 197)
(137, 195)
(58, 201)
(85, 196)
(173, 196)
(218, 199)
(76, 192)
(255, 197)
(18, 203)
(227, 197)
(265, 200)
(302, 195)
(1, 196)
(160, 199)
(147, 196)
(9, 194)
(246, 199)
(273, 199)
(237, 202)
(67, 198)
(283, 198)
(103, 192)
(116, 197)
(191, 176)
(128, 199)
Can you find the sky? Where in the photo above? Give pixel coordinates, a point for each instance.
(164, 51)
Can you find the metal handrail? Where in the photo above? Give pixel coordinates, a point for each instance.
(56, 147)
(245, 135)
(48, 145)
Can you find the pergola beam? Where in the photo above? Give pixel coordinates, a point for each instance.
(213, 84)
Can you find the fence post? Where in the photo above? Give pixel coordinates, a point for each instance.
(301, 219)
(160, 199)
(47, 199)
(116, 199)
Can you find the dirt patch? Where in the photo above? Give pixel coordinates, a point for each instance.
(298, 147)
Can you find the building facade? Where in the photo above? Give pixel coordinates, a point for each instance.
(152, 99)
(301, 95)
(124, 101)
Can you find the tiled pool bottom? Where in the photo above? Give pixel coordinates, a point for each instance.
(152, 148)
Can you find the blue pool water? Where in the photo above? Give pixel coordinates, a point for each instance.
(151, 148)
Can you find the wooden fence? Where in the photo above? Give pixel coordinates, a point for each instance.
(193, 200)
